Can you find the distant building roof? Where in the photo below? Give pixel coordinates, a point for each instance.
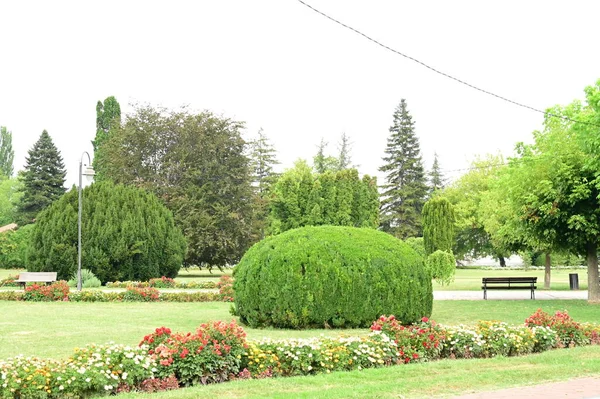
(8, 227)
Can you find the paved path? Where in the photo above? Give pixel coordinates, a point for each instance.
(580, 388)
(499, 294)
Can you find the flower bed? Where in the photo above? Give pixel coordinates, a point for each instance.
(164, 282)
(218, 352)
(101, 296)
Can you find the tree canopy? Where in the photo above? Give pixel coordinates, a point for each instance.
(7, 154)
(196, 164)
(108, 117)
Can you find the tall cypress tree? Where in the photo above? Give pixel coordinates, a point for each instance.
(405, 190)
(43, 179)
(108, 115)
(436, 179)
(262, 160)
(344, 157)
(7, 155)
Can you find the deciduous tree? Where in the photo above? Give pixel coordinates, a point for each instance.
(7, 155)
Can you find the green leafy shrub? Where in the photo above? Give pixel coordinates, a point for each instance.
(14, 246)
(57, 291)
(88, 280)
(417, 243)
(330, 276)
(441, 265)
(225, 286)
(128, 235)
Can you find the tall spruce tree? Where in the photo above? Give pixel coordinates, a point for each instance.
(262, 160)
(43, 179)
(344, 157)
(436, 179)
(108, 114)
(7, 155)
(323, 163)
(405, 190)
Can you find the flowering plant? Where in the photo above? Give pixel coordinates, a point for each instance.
(569, 331)
(505, 340)
(134, 294)
(225, 286)
(91, 370)
(211, 354)
(57, 291)
(463, 342)
(418, 341)
(163, 282)
(319, 355)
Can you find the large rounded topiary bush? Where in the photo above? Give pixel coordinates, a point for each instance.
(127, 234)
(330, 276)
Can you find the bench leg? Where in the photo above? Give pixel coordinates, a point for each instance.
(532, 293)
(484, 293)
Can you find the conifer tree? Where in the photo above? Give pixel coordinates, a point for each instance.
(344, 157)
(405, 190)
(7, 155)
(323, 163)
(43, 179)
(262, 160)
(436, 179)
(438, 225)
(108, 114)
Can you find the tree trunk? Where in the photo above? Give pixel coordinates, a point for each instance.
(592, 263)
(547, 271)
(502, 261)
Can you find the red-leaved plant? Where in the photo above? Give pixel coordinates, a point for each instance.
(569, 331)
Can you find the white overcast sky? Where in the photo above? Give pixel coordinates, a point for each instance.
(278, 65)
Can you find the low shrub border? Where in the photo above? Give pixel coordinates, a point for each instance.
(101, 296)
(218, 352)
(164, 282)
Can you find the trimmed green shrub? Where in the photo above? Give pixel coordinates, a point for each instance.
(330, 276)
(127, 234)
(417, 244)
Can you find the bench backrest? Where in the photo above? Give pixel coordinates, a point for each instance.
(509, 280)
(35, 277)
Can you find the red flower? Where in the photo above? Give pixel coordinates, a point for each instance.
(425, 319)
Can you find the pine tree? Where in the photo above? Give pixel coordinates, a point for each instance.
(344, 157)
(262, 160)
(436, 179)
(108, 114)
(43, 179)
(405, 190)
(7, 154)
(323, 163)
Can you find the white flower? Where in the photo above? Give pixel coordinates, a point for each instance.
(60, 388)
(124, 376)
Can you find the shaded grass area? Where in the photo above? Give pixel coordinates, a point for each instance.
(470, 279)
(4, 273)
(54, 329)
(444, 378)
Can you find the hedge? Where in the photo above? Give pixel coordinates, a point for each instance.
(330, 276)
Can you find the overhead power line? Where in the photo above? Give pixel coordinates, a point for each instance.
(443, 73)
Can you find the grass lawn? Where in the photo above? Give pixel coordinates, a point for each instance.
(54, 329)
(4, 273)
(444, 378)
(470, 279)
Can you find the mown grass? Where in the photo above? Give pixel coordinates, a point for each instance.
(54, 329)
(470, 279)
(444, 378)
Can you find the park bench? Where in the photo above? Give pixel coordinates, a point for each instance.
(509, 283)
(36, 277)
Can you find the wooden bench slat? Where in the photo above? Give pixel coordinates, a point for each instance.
(36, 277)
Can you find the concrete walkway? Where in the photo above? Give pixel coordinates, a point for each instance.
(503, 295)
(579, 388)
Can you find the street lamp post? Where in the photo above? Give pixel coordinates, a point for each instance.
(89, 174)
